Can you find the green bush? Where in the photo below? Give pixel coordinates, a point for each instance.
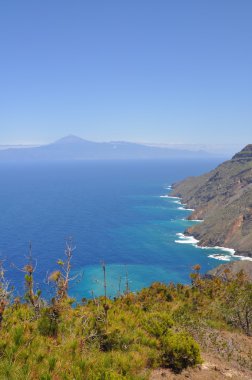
(158, 324)
(52, 363)
(18, 336)
(113, 340)
(139, 333)
(48, 324)
(180, 351)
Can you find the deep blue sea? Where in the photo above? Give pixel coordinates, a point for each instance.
(113, 211)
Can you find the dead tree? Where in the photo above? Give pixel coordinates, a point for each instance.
(32, 296)
(62, 277)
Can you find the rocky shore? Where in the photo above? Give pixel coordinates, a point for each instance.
(222, 199)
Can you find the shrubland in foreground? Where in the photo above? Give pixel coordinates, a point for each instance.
(127, 337)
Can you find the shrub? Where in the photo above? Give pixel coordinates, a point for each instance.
(237, 306)
(113, 340)
(45, 377)
(180, 351)
(158, 324)
(52, 363)
(18, 336)
(48, 323)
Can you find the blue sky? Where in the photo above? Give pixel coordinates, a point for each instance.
(138, 70)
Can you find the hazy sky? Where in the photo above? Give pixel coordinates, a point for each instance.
(138, 70)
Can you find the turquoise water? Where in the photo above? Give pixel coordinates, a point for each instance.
(114, 213)
(155, 252)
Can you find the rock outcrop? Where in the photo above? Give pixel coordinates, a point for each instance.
(232, 269)
(222, 198)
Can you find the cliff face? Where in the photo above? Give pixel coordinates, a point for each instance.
(223, 199)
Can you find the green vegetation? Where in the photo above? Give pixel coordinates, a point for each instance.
(124, 338)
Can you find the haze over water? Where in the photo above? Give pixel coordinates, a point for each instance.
(114, 213)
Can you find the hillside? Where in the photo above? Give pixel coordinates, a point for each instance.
(231, 270)
(222, 198)
(197, 332)
(73, 148)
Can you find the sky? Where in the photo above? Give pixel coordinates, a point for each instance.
(157, 71)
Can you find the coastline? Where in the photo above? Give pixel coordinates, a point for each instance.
(184, 238)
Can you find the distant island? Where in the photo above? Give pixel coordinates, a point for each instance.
(222, 199)
(73, 148)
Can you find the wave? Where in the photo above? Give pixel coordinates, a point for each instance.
(177, 200)
(244, 257)
(168, 196)
(220, 257)
(224, 249)
(185, 209)
(186, 239)
(226, 257)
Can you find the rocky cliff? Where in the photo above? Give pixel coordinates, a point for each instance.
(222, 198)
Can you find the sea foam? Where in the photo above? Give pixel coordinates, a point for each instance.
(244, 257)
(169, 196)
(220, 257)
(193, 220)
(224, 249)
(184, 239)
(185, 209)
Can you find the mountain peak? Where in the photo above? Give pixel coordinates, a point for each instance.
(245, 153)
(70, 139)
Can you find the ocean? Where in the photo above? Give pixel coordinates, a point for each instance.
(115, 212)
